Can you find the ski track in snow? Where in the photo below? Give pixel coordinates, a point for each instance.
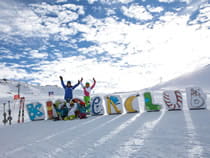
(68, 145)
(195, 149)
(136, 142)
(57, 145)
(116, 131)
(110, 135)
(21, 148)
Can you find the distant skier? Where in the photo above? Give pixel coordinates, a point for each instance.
(68, 89)
(87, 90)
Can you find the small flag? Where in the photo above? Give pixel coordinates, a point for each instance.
(16, 97)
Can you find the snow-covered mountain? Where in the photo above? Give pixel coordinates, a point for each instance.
(30, 92)
(145, 134)
(200, 77)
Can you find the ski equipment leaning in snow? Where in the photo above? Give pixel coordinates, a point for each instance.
(21, 108)
(4, 115)
(87, 90)
(19, 112)
(9, 113)
(68, 89)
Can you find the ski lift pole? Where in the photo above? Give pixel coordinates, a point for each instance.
(18, 86)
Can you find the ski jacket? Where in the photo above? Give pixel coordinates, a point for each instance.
(83, 109)
(87, 91)
(68, 90)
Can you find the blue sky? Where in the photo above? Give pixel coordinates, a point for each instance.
(124, 44)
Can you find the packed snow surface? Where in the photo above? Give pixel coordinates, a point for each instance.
(149, 134)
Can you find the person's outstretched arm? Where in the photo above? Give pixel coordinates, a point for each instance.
(76, 84)
(62, 83)
(82, 83)
(94, 83)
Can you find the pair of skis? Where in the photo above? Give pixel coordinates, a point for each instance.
(21, 109)
(5, 118)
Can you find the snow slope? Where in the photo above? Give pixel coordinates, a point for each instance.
(9, 88)
(141, 135)
(199, 78)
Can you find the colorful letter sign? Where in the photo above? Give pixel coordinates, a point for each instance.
(173, 100)
(35, 111)
(132, 104)
(49, 105)
(113, 104)
(196, 98)
(149, 103)
(96, 106)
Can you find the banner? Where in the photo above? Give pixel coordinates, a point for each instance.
(16, 97)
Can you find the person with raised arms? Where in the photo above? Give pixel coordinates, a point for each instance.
(68, 89)
(87, 91)
(63, 109)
